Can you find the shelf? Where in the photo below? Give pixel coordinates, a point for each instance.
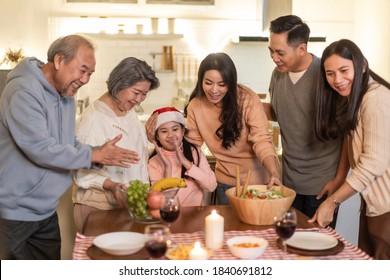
(124, 36)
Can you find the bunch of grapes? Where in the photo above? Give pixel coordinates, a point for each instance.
(136, 199)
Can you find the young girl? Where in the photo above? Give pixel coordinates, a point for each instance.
(176, 157)
(346, 76)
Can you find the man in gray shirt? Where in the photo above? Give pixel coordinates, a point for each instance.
(314, 169)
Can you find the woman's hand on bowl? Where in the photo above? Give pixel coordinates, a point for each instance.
(274, 181)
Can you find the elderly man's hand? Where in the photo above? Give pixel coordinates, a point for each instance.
(110, 154)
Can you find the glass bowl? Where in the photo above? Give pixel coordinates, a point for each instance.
(137, 207)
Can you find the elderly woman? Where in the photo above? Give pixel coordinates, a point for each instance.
(112, 114)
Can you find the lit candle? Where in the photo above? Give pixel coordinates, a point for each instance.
(198, 253)
(214, 230)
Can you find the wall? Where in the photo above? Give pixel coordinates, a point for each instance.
(375, 34)
(205, 29)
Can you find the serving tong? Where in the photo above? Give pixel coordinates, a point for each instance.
(240, 191)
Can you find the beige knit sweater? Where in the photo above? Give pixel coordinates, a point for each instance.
(248, 152)
(369, 151)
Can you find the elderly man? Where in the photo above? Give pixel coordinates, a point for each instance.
(38, 149)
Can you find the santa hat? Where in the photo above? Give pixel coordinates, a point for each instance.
(169, 114)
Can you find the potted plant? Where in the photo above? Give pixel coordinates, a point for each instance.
(12, 57)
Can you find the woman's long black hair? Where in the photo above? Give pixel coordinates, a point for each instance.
(334, 118)
(187, 151)
(230, 129)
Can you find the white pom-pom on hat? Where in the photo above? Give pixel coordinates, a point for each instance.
(169, 114)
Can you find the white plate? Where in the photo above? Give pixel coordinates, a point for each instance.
(311, 241)
(120, 243)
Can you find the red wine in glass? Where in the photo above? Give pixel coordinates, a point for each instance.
(285, 229)
(158, 239)
(156, 249)
(169, 208)
(170, 213)
(285, 225)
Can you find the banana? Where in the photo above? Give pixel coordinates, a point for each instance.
(168, 183)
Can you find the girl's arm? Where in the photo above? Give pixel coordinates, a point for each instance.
(202, 173)
(166, 163)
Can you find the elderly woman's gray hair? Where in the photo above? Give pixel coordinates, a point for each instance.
(128, 72)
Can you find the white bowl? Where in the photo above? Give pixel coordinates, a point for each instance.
(247, 252)
(120, 243)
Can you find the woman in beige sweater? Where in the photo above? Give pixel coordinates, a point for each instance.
(345, 74)
(230, 119)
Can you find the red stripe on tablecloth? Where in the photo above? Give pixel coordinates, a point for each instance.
(272, 252)
(81, 246)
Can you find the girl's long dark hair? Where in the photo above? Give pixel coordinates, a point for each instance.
(187, 151)
(338, 115)
(230, 129)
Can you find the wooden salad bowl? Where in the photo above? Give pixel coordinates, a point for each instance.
(260, 211)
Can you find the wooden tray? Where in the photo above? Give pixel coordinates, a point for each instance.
(331, 251)
(95, 253)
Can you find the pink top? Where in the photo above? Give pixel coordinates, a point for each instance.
(201, 177)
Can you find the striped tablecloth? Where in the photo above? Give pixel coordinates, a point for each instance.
(272, 252)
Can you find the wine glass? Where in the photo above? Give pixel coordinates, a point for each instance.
(158, 240)
(285, 225)
(169, 207)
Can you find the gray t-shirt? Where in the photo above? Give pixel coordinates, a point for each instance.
(308, 163)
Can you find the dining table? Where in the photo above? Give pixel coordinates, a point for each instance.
(189, 227)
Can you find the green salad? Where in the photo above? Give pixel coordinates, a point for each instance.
(256, 194)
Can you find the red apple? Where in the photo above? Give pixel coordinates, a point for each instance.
(153, 199)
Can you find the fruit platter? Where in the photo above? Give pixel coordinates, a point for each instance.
(140, 197)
